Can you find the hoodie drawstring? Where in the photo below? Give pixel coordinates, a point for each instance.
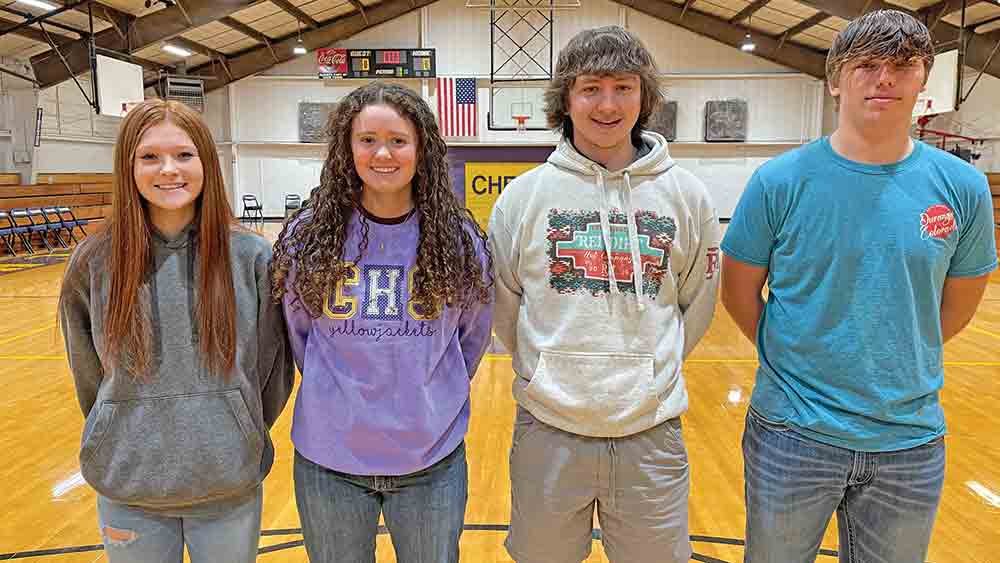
(633, 236)
(633, 242)
(611, 472)
(606, 230)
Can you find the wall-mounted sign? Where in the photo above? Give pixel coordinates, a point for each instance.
(485, 181)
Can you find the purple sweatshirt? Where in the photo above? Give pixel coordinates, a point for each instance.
(385, 391)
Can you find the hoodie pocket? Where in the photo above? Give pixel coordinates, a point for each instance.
(595, 389)
(173, 451)
(93, 439)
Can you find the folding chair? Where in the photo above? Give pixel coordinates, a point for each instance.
(40, 217)
(72, 222)
(22, 231)
(7, 232)
(21, 214)
(252, 210)
(53, 217)
(292, 202)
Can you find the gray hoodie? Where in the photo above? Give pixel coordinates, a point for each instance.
(181, 437)
(592, 355)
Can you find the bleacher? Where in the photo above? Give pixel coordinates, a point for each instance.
(52, 214)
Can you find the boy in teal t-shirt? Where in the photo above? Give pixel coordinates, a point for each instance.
(876, 250)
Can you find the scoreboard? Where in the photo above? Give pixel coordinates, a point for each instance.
(376, 63)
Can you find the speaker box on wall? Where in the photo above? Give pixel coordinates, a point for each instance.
(664, 120)
(726, 120)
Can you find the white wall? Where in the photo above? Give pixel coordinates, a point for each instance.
(829, 111)
(17, 117)
(72, 156)
(269, 160)
(255, 121)
(678, 50)
(402, 32)
(74, 139)
(785, 107)
(217, 114)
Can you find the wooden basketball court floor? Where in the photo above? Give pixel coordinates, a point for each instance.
(49, 513)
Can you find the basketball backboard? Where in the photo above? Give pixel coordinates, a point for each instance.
(118, 83)
(509, 101)
(941, 90)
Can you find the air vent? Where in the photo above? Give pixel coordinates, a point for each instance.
(190, 91)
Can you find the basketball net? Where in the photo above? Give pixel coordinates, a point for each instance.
(924, 105)
(521, 123)
(127, 106)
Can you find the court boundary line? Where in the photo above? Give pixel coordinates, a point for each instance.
(748, 361)
(382, 530)
(983, 331)
(740, 361)
(10, 339)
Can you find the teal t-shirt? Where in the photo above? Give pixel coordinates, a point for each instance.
(850, 339)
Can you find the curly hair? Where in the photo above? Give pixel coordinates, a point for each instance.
(448, 269)
(602, 51)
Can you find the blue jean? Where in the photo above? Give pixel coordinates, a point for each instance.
(424, 511)
(134, 535)
(885, 501)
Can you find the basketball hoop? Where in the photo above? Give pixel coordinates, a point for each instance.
(924, 109)
(521, 121)
(127, 106)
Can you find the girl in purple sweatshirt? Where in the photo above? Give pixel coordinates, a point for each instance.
(387, 286)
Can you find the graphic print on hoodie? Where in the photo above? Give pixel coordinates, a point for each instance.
(593, 356)
(578, 261)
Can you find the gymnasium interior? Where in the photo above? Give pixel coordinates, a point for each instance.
(744, 82)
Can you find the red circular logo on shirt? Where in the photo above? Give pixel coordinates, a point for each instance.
(938, 222)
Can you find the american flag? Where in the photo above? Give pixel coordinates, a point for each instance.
(456, 101)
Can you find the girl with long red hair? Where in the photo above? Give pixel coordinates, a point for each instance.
(178, 353)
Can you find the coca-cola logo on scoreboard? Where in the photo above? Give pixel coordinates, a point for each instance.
(331, 62)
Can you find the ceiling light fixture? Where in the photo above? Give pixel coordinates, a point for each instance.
(300, 48)
(748, 44)
(176, 50)
(39, 4)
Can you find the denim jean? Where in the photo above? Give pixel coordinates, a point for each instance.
(885, 501)
(424, 511)
(141, 536)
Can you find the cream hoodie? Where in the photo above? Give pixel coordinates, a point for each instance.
(592, 355)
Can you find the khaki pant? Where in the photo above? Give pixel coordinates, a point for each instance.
(638, 485)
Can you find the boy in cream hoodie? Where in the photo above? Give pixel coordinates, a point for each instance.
(607, 272)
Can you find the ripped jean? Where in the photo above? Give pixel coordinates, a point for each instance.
(140, 536)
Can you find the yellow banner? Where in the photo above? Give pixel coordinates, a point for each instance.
(485, 181)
